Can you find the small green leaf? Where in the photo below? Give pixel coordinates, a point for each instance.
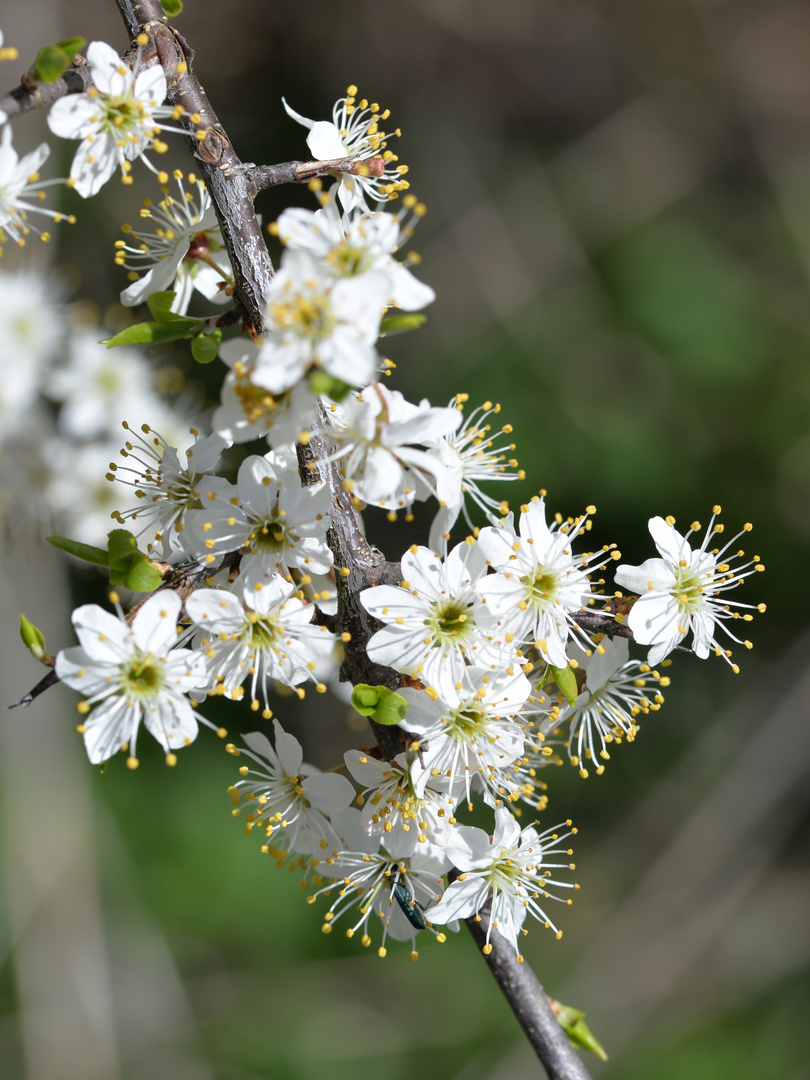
(51, 63)
(381, 704)
(142, 575)
(152, 333)
(365, 699)
(398, 324)
(80, 551)
(204, 347)
(320, 383)
(572, 1021)
(172, 7)
(160, 304)
(72, 45)
(567, 682)
(32, 637)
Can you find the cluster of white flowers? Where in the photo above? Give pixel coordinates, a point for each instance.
(506, 650)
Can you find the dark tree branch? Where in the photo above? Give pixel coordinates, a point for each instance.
(529, 1002)
(260, 177)
(217, 161)
(25, 98)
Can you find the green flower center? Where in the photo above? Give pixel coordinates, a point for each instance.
(262, 632)
(121, 114)
(349, 261)
(687, 590)
(450, 623)
(269, 537)
(465, 724)
(142, 678)
(542, 587)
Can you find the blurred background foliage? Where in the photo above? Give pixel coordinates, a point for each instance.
(619, 236)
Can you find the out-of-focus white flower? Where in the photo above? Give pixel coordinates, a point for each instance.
(686, 590)
(97, 386)
(349, 246)
(31, 328)
(21, 190)
(185, 252)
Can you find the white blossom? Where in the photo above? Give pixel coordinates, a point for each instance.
(512, 868)
(288, 800)
(261, 632)
(470, 731)
(132, 675)
(354, 132)
(277, 522)
(372, 881)
(248, 411)
(686, 590)
(435, 622)
(21, 190)
(116, 120)
(540, 582)
(316, 323)
(379, 435)
(352, 245)
(184, 252)
(167, 489)
(468, 456)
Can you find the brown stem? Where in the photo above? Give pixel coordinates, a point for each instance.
(528, 1001)
(24, 98)
(217, 161)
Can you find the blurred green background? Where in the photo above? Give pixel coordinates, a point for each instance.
(618, 231)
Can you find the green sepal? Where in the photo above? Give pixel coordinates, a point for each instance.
(565, 678)
(572, 1021)
(204, 347)
(322, 384)
(172, 7)
(121, 546)
(398, 324)
(51, 63)
(384, 706)
(80, 551)
(128, 566)
(32, 638)
(141, 576)
(543, 680)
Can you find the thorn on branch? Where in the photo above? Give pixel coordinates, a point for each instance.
(51, 679)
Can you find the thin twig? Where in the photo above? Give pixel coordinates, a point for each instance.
(529, 1002)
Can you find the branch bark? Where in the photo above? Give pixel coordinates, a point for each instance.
(529, 1002)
